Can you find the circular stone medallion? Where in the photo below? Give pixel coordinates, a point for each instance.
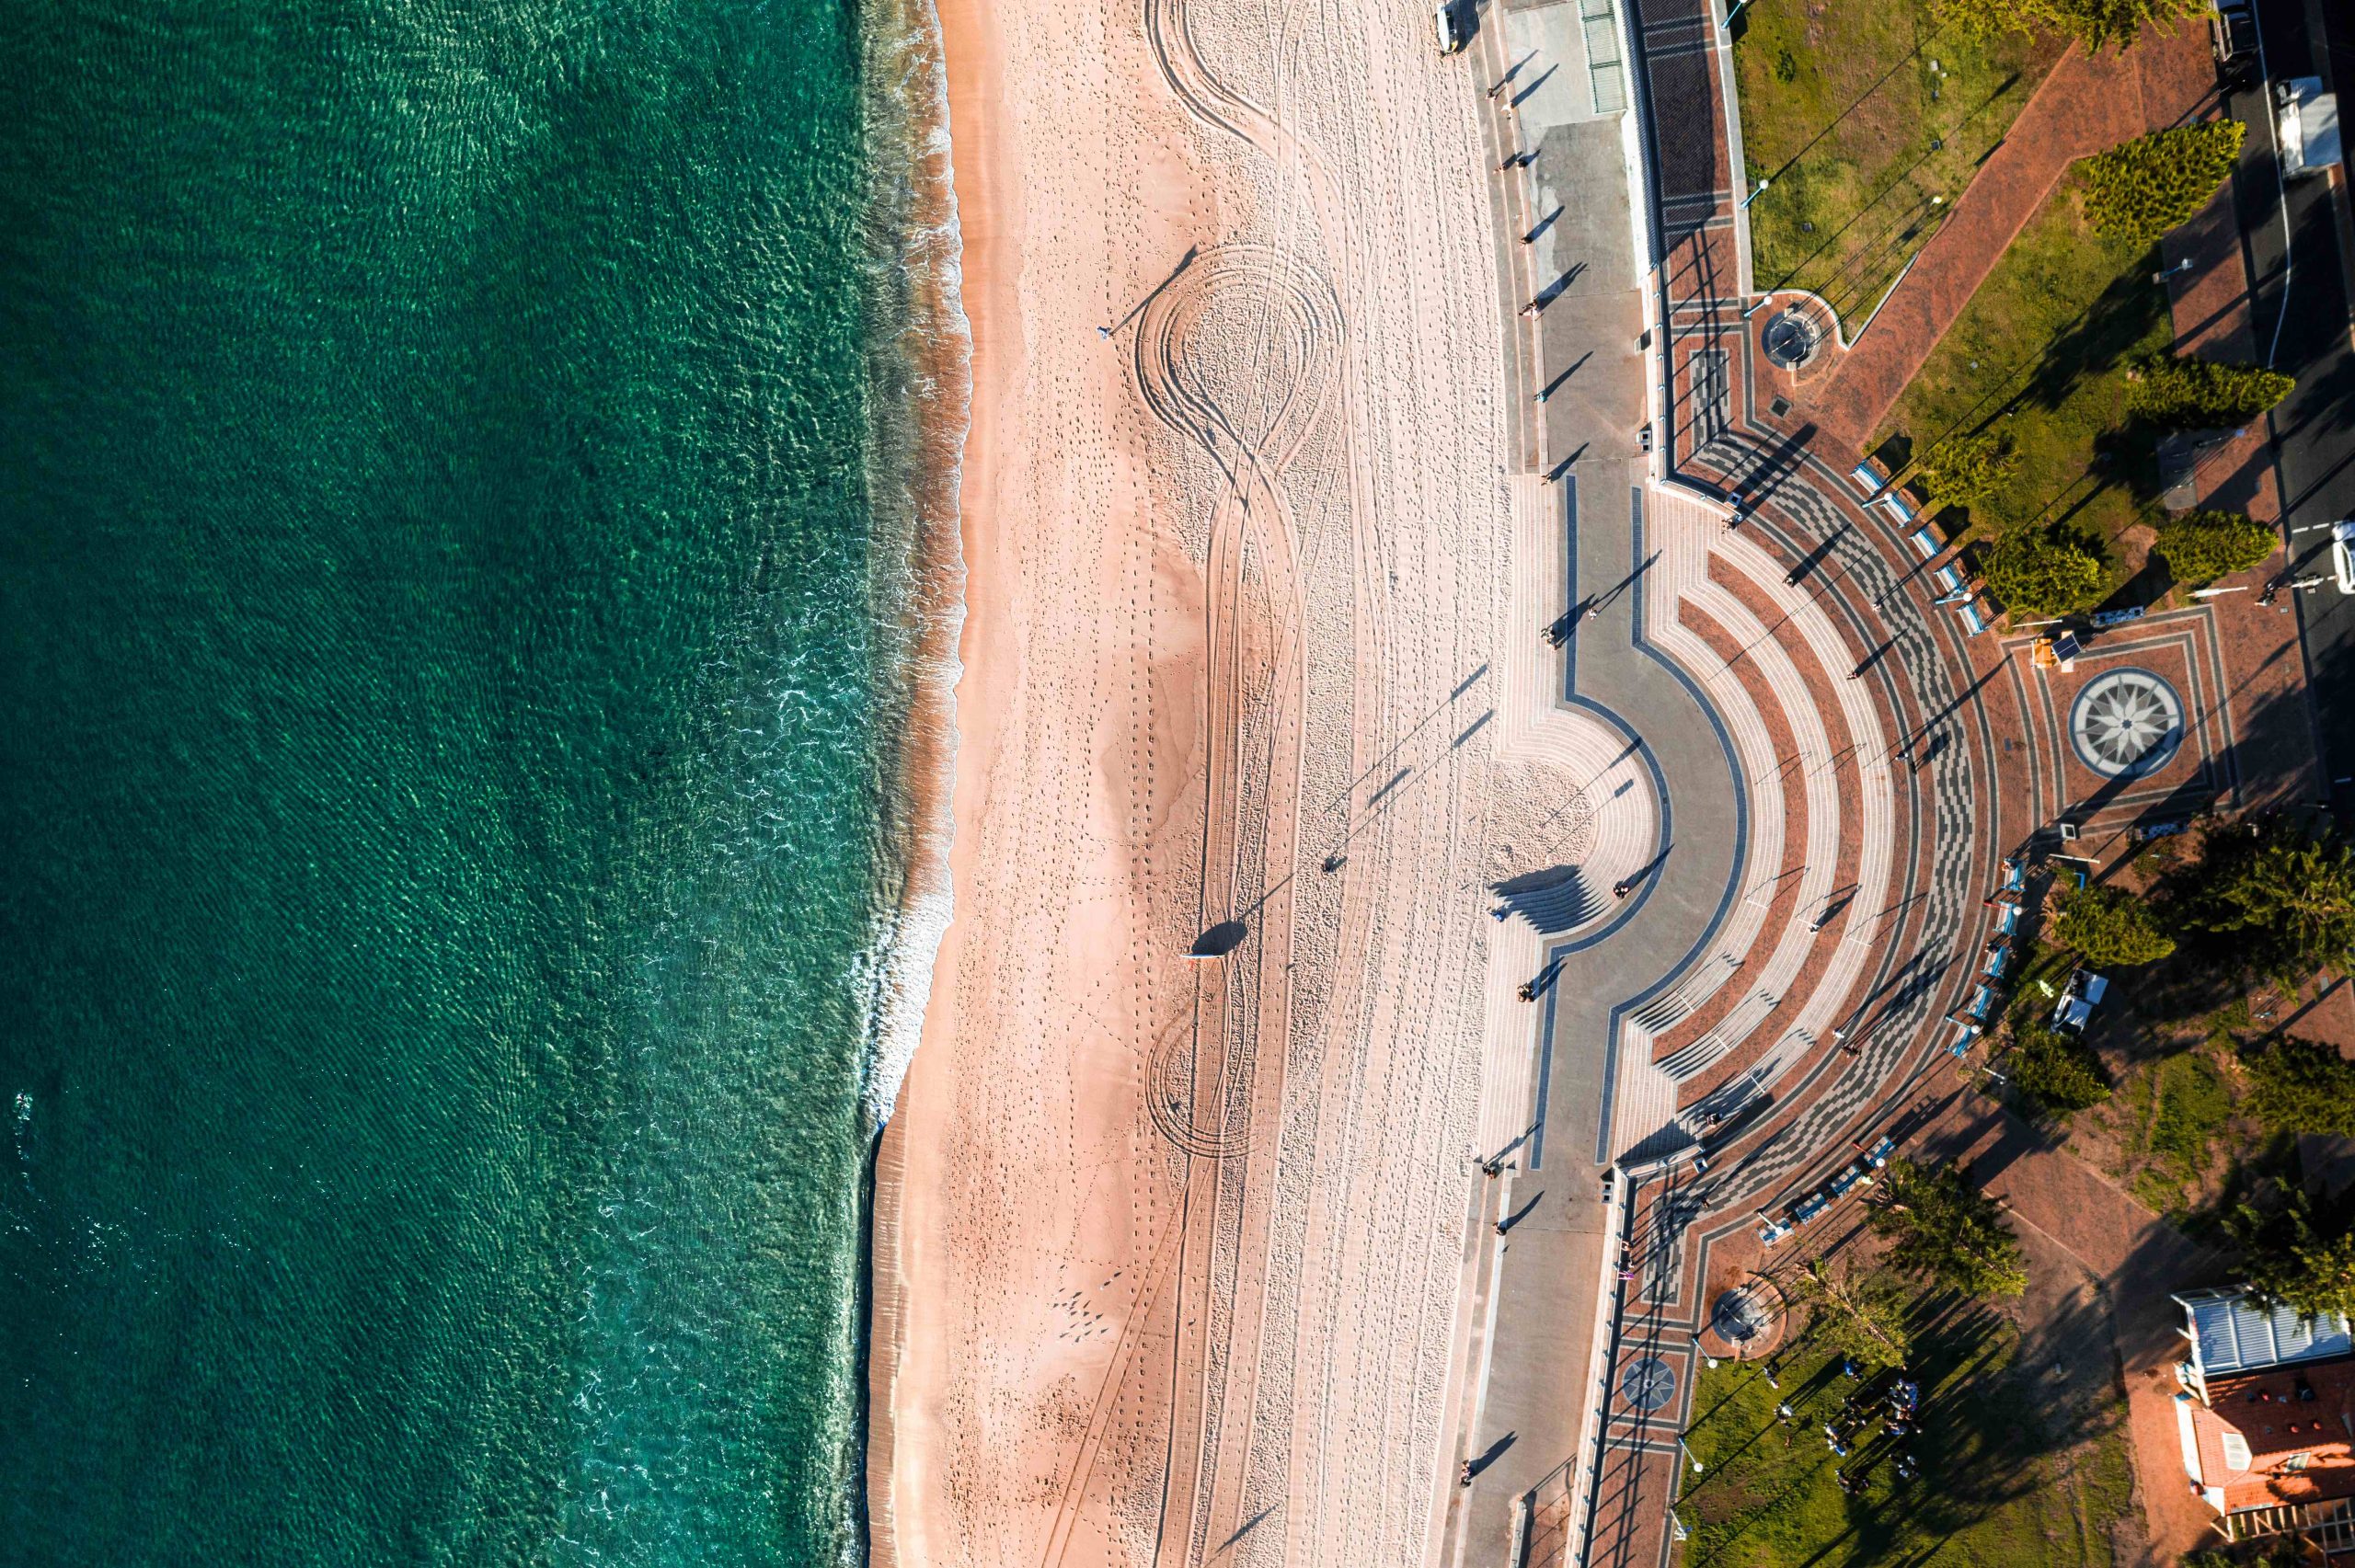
(1647, 1384)
(2126, 724)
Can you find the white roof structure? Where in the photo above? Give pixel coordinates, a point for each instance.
(2231, 1333)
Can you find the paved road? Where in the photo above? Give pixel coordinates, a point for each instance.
(2315, 429)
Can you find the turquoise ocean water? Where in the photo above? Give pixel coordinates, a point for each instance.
(455, 530)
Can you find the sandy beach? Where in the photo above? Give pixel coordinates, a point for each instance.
(1169, 1249)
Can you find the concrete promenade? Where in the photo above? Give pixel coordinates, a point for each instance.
(1799, 726)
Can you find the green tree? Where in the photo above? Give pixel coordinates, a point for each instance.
(1959, 471)
(2300, 1086)
(2286, 897)
(2093, 23)
(1948, 1230)
(1864, 1317)
(2201, 394)
(2059, 1071)
(2138, 191)
(2039, 571)
(2201, 546)
(2288, 1262)
(2106, 926)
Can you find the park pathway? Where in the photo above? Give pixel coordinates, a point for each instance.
(2089, 103)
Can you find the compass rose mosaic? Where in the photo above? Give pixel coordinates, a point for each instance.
(2126, 724)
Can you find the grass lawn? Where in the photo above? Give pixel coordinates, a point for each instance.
(2174, 1111)
(2009, 1473)
(2175, 1134)
(2041, 350)
(1840, 106)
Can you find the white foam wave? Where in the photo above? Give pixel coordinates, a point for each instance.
(910, 94)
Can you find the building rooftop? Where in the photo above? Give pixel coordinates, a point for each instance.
(2286, 1434)
(2230, 1334)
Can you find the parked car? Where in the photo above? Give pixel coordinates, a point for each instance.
(2232, 32)
(2307, 127)
(2078, 1001)
(2342, 553)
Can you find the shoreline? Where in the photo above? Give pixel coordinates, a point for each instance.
(926, 360)
(956, 152)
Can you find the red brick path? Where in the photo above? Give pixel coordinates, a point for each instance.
(2087, 104)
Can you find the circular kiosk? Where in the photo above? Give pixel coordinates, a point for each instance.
(1790, 339)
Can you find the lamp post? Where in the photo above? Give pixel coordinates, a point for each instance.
(1755, 195)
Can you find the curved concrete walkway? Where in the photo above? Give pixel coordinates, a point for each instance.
(1574, 1082)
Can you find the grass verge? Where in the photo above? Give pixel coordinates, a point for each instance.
(2040, 354)
(1860, 113)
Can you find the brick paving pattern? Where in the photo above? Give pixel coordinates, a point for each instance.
(1890, 748)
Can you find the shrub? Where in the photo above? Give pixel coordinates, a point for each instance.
(2107, 926)
(2136, 193)
(1959, 471)
(2201, 394)
(2093, 22)
(2045, 571)
(2202, 546)
(2059, 1071)
(2300, 1086)
(1948, 1230)
(2286, 899)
